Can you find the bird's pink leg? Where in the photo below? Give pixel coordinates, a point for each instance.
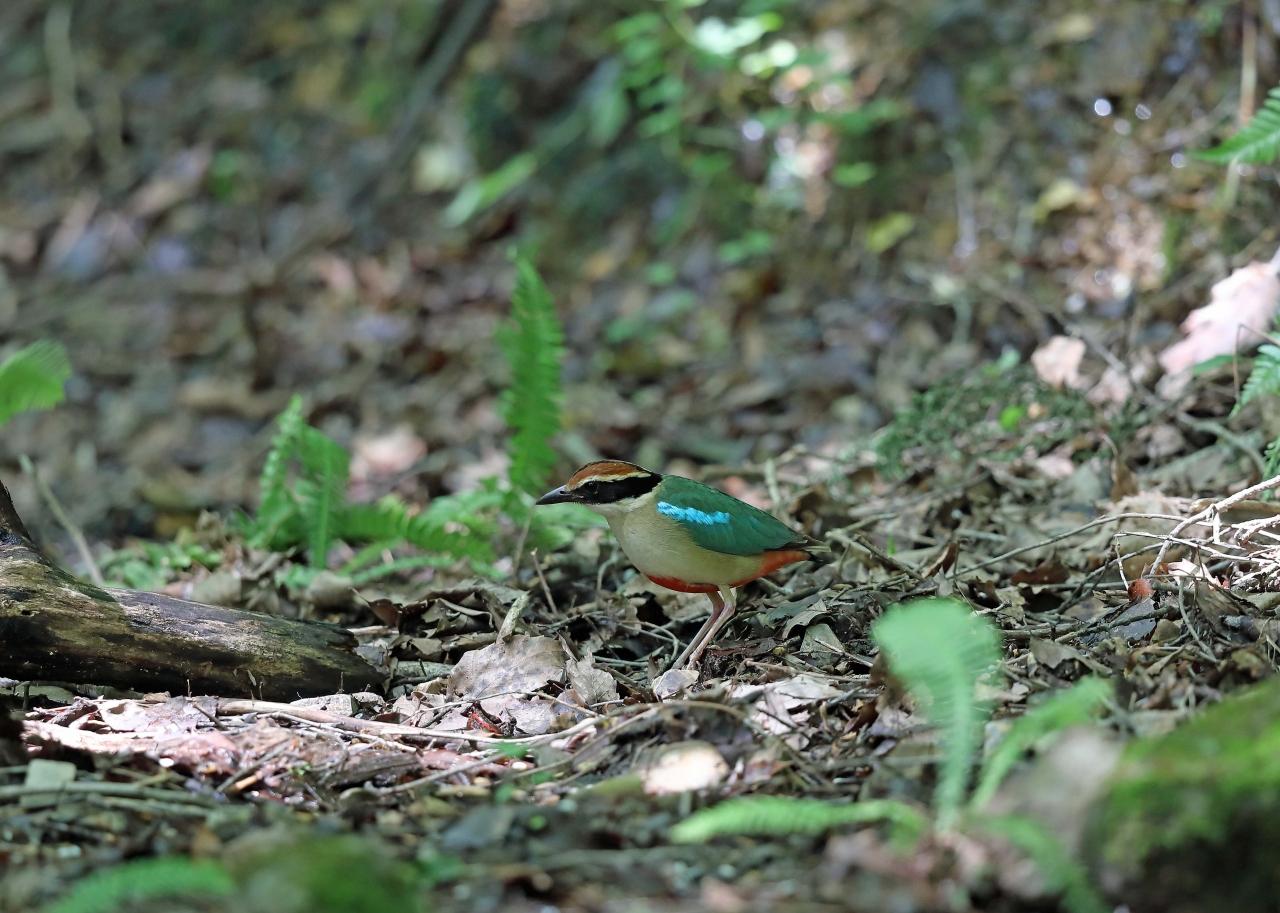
(722, 618)
(696, 646)
(726, 605)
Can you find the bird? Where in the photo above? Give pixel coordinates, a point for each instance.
(686, 536)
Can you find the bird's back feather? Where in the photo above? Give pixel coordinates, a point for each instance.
(722, 523)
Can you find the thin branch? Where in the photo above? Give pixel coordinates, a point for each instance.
(55, 507)
(1213, 510)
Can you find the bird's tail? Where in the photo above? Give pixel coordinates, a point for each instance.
(818, 551)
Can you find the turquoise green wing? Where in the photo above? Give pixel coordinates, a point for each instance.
(721, 522)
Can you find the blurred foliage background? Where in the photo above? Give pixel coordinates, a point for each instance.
(765, 223)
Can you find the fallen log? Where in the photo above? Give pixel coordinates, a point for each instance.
(54, 627)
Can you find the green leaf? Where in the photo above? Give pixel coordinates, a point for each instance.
(322, 493)
(1061, 873)
(534, 347)
(1272, 458)
(609, 105)
(109, 890)
(32, 378)
(1012, 416)
(939, 650)
(275, 500)
(885, 233)
(482, 192)
(1264, 379)
(854, 174)
(779, 815)
(398, 566)
(723, 39)
(1066, 708)
(753, 244)
(1257, 142)
(450, 526)
(1211, 364)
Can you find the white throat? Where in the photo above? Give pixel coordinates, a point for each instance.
(617, 509)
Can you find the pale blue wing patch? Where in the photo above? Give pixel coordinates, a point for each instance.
(720, 522)
(692, 514)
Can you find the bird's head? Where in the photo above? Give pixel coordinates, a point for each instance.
(608, 487)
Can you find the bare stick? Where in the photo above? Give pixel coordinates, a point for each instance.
(55, 507)
(1213, 510)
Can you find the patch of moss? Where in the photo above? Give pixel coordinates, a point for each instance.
(1198, 784)
(992, 410)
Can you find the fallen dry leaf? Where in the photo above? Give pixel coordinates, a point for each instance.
(384, 455)
(156, 718)
(176, 180)
(1240, 309)
(1113, 388)
(820, 638)
(804, 616)
(594, 686)
(673, 682)
(1051, 654)
(504, 675)
(522, 663)
(1057, 361)
(782, 706)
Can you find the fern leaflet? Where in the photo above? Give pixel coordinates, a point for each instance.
(447, 526)
(939, 649)
(1257, 142)
(398, 566)
(779, 815)
(1264, 379)
(1272, 458)
(1066, 708)
(1061, 873)
(32, 378)
(533, 345)
(322, 494)
(275, 501)
(109, 890)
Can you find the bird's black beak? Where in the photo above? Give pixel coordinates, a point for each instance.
(556, 496)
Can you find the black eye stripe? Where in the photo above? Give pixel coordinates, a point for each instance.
(624, 488)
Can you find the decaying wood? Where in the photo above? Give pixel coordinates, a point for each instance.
(54, 627)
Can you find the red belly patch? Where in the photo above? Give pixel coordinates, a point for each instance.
(680, 586)
(769, 562)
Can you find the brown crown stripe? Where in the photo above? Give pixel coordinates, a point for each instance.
(606, 471)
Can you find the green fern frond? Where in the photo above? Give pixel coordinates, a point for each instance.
(275, 500)
(1264, 379)
(448, 526)
(109, 890)
(1066, 708)
(303, 502)
(1062, 874)
(533, 345)
(322, 493)
(399, 566)
(33, 378)
(1272, 459)
(773, 816)
(1257, 142)
(939, 649)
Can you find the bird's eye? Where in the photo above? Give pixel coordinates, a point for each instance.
(592, 488)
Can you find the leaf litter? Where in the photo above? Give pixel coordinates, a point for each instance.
(493, 692)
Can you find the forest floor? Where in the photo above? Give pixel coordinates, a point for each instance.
(519, 757)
